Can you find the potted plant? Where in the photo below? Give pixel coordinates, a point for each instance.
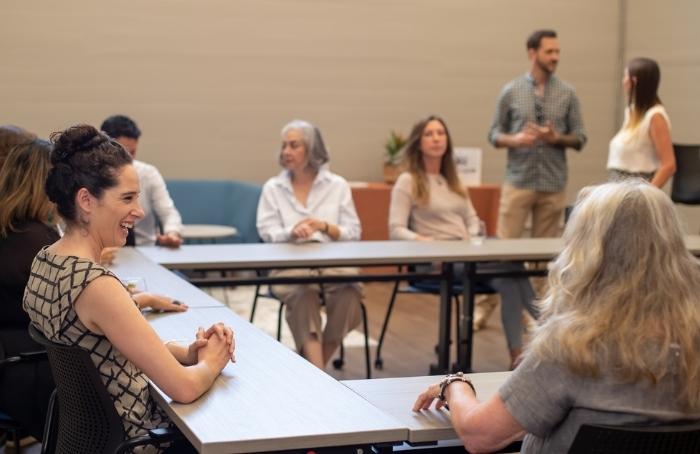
(392, 158)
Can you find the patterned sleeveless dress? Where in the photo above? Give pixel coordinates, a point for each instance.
(55, 283)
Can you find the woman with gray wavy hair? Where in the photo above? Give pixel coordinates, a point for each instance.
(308, 203)
(317, 154)
(618, 338)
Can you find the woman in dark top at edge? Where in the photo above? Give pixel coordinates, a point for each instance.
(25, 227)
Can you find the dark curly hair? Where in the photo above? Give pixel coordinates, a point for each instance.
(82, 157)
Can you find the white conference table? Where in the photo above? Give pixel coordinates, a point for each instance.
(348, 253)
(395, 397)
(271, 399)
(366, 254)
(378, 253)
(130, 264)
(358, 253)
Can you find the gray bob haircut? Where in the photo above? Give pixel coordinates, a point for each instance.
(316, 152)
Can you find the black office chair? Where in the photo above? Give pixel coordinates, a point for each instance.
(81, 417)
(602, 439)
(686, 181)
(418, 287)
(7, 423)
(339, 362)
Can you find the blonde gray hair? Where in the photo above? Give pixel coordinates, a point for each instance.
(624, 293)
(316, 152)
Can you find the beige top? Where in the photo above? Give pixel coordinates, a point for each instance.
(446, 216)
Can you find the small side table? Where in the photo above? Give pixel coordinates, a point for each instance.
(200, 233)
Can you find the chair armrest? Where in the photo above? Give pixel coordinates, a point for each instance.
(34, 356)
(155, 437)
(165, 434)
(24, 357)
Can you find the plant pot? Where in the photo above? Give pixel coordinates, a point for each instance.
(391, 172)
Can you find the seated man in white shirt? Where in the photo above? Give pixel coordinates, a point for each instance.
(155, 200)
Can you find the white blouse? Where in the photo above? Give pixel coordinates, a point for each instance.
(330, 200)
(632, 150)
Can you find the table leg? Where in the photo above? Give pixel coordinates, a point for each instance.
(446, 277)
(466, 332)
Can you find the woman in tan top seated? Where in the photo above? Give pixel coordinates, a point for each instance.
(75, 301)
(618, 339)
(429, 202)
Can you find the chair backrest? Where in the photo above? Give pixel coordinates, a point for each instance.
(220, 202)
(686, 181)
(602, 439)
(486, 200)
(372, 201)
(372, 204)
(87, 420)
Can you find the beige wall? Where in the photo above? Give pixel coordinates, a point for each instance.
(211, 82)
(669, 32)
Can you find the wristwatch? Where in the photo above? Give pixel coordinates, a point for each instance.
(451, 378)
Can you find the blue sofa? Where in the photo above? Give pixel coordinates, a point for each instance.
(221, 202)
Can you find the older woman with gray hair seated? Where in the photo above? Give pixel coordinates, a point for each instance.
(308, 203)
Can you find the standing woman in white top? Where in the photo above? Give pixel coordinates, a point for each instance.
(308, 203)
(643, 148)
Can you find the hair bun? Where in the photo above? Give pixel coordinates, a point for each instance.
(74, 140)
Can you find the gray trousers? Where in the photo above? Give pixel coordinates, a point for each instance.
(516, 294)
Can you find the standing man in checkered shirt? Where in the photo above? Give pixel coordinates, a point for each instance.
(537, 118)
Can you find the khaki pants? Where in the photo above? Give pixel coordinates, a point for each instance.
(303, 311)
(547, 209)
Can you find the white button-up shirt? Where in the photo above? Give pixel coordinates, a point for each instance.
(330, 200)
(157, 206)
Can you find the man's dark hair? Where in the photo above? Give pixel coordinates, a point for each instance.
(121, 126)
(534, 41)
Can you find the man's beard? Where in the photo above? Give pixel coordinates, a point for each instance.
(545, 68)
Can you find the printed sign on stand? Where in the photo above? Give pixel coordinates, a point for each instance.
(468, 162)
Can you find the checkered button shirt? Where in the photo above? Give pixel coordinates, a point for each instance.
(541, 167)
